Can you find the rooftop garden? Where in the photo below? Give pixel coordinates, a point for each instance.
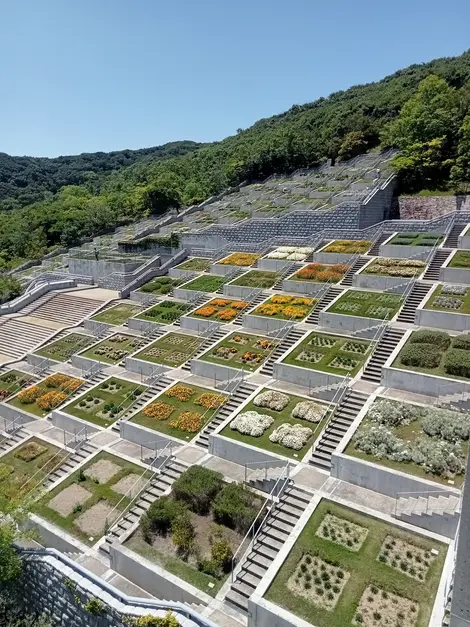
(321, 273)
(220, 309)
(196, 264)
(207, 283)
(165, 312)
(117, 315)
(171, 350)
(450, 298)
(284, 307)
(161, 286)
(290, 253)
(257, 278)
(330, 353)
(181, 411)
(241, 350)
(26, 467)
(345, 246)
(367, 305)
(12, 381)
(395, 267)
(84, 503)
(240, 259)
(194, 532)
(42, 398)
(279, 423)
(424, 441)
(114, 349)
(416, 239)
(63, 349)
(436, 352)
(461, 259)
(104, 404)
(348, 568)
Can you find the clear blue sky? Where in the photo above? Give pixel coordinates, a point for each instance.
(88, 75)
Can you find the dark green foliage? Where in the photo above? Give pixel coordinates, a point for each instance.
(222, 554)
(198, 487)
(439, 339)
(162, 513)
(209, 567)
(421, 356)
(457, 362)
(183, 534)
(10, 288)
(462, 342)
(234, 507)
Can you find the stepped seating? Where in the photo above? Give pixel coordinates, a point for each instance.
(383, 350)
(339, 423)
(414, 298)
(65, 308)
(18, 338)
(357, 265)
(325, 300)
(290, 339)
(269, 541)
(432, 272)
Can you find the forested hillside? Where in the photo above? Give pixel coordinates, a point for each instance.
(423, 110)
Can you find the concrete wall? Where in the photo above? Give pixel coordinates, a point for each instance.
(311, 379)
(454, 275)
(239, 291)
(391, 284)
(213, 371)
(26, 299)
(367, 327)
(101, 268)
(464, 242)
(460, 609)
(11, 414)
(146, 437)
(308, 288)
(240, 453)
(394, 251)
(442, 320)
(272, 265)
(37, 360)
(198, 324)
(223, 269)
(421, 383)
(71, 424)
(184, 294)
(330, 258)
(137, 324)
(263, 323)
(142, 367)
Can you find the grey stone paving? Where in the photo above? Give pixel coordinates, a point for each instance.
(309, 477)
(190, 454)
(129, 588)
(229, 469)
(359, 496)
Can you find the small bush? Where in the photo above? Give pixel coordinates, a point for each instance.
(462, 342)
(436, 338)
(155, 621)
(182, 534)
(234, 507)
(457, 362)
(198, 487)
(209, 567)
(421, 356)
(222, 554)
(163, 512)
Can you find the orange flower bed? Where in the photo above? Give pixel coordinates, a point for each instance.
(29, 395)
(158, 410)
(322, 273)
(50, 400)
(219, 302)
(265, 344)
(211, 401)
(269, 310)
(181, 392)
(70, 385)
(188, 421)
(239, 304)
(206, 311)
(295, 312)
(240, 259)
(281, 300)
(56, 380)
(227, 314)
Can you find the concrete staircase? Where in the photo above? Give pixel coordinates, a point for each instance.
(323, 303)
(452, 240)
(18, 338)
(72, 461)
(432, 272)
(293, 336)
(231, 277)
(414, 298)
(213, 339)
(144, 398)
(342, 418)
(291, 269)
(253, 304)
(374, 250)
(243, 391)
(66, 308)
(267, 544)
(173, 469)
(9, 441)
(436, 512)
(27, 309)
(383, 350)
(357, 265)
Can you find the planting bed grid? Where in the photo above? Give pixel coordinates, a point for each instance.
(221, 309)
(366, 573)
(340, 355)
(173, 349)
(367, 304)
(209, 283)
(40, 399)
(117, 315)
(12, 381)
(461, 259)
(114, 349)
(450, 298)
(396, 268)
(415, 239)
(160, 286)
(63, 349)
(241, 350)
(165, 312)
(260, 279)
(284, 307)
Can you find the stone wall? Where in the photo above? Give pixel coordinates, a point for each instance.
(429, 207)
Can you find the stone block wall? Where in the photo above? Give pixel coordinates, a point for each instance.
(429, 207)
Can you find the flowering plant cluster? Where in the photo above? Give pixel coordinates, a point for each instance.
(455, 290)
(189, 421)
(220, 302)
(250, 358)
(158, 410)
(291, 436)
(290, 253)
(29, 395)
(206, 312)
(309, 411)
(251, 423)
(448, 302)
(348, 246)
(287, 306)
(211, 401)
(265, 344)
(62, 382)
(239, 304)
(50, 400)
(227, 314)
(322, 273)
(272, 399)
(181, 392)
(240, 259)
(396, 267)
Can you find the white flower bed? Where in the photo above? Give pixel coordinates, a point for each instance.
(291, 436)
(455, 290)
(272, 400)
(251, 423)
(290, 253)
(308, 410)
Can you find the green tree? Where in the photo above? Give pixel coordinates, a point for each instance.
(460, 173)
(353, 144)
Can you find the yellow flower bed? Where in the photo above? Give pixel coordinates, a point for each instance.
(287, 306)
(50, 400)
(211, 401)
(240, 259)
(29, 395)
(158, 410)
(188, 421)
(181, 392)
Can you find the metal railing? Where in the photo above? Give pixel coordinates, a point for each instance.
(329, 411)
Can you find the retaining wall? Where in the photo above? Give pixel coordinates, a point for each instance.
(309, 379)
(367, 327)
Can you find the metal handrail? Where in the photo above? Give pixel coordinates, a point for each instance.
(337, 398)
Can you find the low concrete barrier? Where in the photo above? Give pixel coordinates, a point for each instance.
(26, 299)
(442, 319)
(71, 424)
(421, 383)
(367, 327)
(321, 384)
(391, 284)
(454, 275)
(394, 251)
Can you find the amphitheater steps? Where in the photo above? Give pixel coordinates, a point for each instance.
(414, 298)
(357, 265)
(383, 350)
(27, 309)
(343, 416)
(66, 308)
(440, 256)
(291, 338)
(18, 338)
(452, 240)
(323, 303)
(215, 337)
(374, 250)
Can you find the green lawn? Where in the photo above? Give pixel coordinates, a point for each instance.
(464, 298)
(363, 566)
(63, 349)
(461, 259)
(280, 417)
(416, 239)
(165, 312)
(176, 407)
(231, 351)
(12, 381)
(103, 404)
(207, 283)
(114, 349)
(367, 305)
(117, 315)
(295, 308)
(160, 286)
(197, 264)
(257, 278)
(325, 349)
(46, 386)
(171, 350)
(99, 492)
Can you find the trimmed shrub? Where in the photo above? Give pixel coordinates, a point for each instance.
(198, 487)
(462, 342)
(209, 567)
(163, 512)
(438, 339)
(183, 534)
(457, 362)
(234, 507)
(421, 355)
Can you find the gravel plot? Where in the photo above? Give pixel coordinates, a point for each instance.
(64, 502)
(126, 483)
(103, 470)
(92, 522)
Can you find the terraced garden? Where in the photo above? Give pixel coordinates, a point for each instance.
(367, 304)
(173, 350)
(166, 312)
(257, 278)
(416, 239)
(239, 259)
(321, 273)
(117, 315)
(12, 381)
(208, 283)
(63, 349)
(401, 268)
(196, 264)
(40, 399)
(161, 286)
(241, 350)
(286, 307)
(220, 309)
(450, 298)
(114, 349)
(355, 247)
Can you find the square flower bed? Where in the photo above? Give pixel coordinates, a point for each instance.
(104, 404)
(166, 312)
(239, 259)
(220, 309)
(171, 350)
(436, 352)
(330, 353)
(416, 239)
(367, 304)
(355, 247)
(114, 349)
(83, 504)
(395, 267)
(321, 273)
(63, 349)
(194, 532)
(241, 349)
(196, 264)
(428, 442)
(257, 279)
(328, 584)
(209, 283)
(284, 307)
(12, 381)
(450, 298)
(290, 253)
(161, 286)
(181, 411)
(461, 259)
(261, 423)
(42, 398)
(117, 315)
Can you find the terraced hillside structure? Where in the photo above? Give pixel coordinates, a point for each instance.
(40, 399)
(241, 350)
(117, 315)
(367, 304)
(12, 382)
(165, 312)
(450, 298)
(63, 348)
(161, 286)
(416, 239)
(220, 309)
(173, 349)
(206, 283)
(195, 264)
(114, 349)
(256, 279)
